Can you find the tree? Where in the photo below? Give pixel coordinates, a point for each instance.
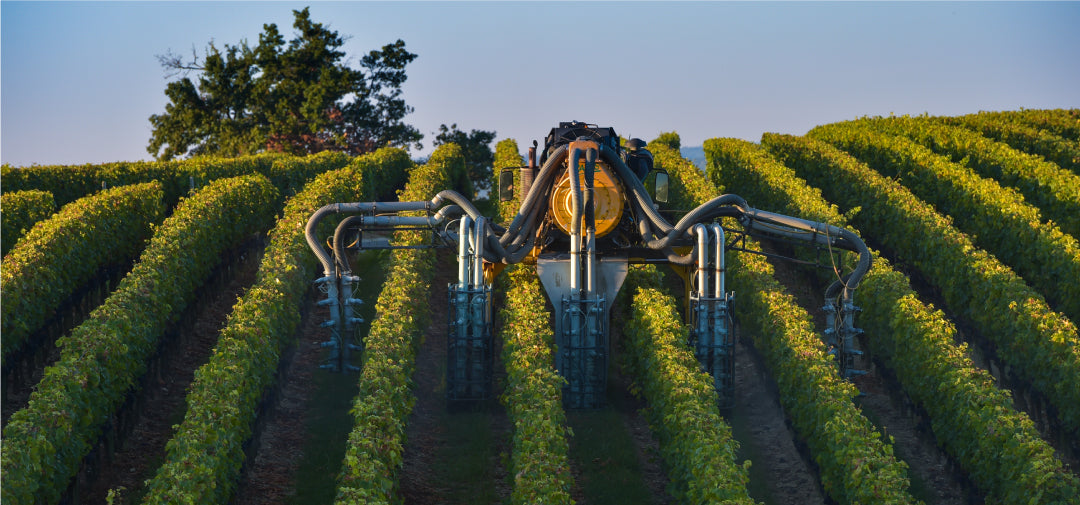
(297, 97)
(478, 157)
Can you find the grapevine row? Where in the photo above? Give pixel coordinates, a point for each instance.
(1039, 343)
(102, 359)
(375, 448)
(533, 396)
(508, 156)
(69, 183)
(690, 186)
(19, 211)
(539, 455)
(699, 472)
(204, 458)
(971, 418)
(1061, 122)
(1063, 152)
(65, 251)
(1054, 190)
(695, 442)
(997, 218)
(856, 465)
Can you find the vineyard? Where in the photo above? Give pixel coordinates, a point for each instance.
(163, 337)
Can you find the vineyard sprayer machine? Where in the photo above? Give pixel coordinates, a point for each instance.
(590, 207)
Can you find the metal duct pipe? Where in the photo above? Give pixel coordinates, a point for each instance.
(822, 233)
(575, 224)
(463, 252)
(590, 222)
(341, 263)
(537, 192)
(338, 208)
(385, 221)
(702, 260)
(455, 197)
(718, 232)
(723, 205)
(477, 239)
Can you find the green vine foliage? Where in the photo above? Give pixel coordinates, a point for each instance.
(67, 183)
(71, 182)
(64, 252)
(997, 218)
(507, 156)
(698, 449)
(1040, 343)
(1064, 123)
(972, 419)
(539, 457)
(856, 464)
(19, 211)
(533, 396)
(1054, 190)
(102, 360)
(204, 458)
(1048, 143)
(375, 449)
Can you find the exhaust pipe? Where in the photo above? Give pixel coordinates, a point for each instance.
(528, 173)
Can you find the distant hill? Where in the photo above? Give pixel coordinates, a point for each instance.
(695, 154)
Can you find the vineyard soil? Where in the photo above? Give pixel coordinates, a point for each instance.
(984, 354)
(617, 457)
(269, 478)
(162, 403)
(26, 366)
(934, 480)
(301, 434)
(440, 438)
(779, 474)
(452, 456)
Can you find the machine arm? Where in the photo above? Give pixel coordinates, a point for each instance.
(454, 221)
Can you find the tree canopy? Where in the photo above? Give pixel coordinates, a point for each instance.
(298, 97)
(476, 145)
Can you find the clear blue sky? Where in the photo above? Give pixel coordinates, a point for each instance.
(78, 81)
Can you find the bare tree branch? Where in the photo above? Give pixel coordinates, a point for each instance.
(174, 64)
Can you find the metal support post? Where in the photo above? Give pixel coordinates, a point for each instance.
(469, 344)
(712, 333)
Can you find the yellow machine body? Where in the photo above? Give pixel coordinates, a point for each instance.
(608, 193)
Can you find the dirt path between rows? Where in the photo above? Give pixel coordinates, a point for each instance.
(282, 434)
(269, 472)
(425, 433)
(643, 460)
(163, 401)
(26, 366)
(434, 428)
(935, 479)
(779, 473)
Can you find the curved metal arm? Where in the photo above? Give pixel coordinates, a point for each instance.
(356, 208)
(513, 243)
